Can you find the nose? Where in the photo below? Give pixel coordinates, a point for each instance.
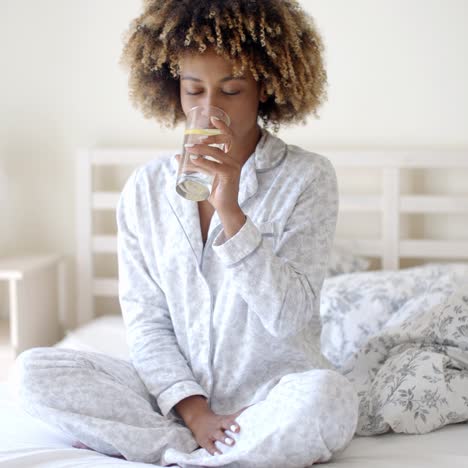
(210, 99)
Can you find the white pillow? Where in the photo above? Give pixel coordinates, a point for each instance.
(105, 334)
(344, 261)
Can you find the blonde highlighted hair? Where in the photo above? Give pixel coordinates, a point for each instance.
(276, 40)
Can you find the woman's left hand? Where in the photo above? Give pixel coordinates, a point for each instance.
(226, 172)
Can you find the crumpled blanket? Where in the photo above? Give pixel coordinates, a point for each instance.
(412, 376)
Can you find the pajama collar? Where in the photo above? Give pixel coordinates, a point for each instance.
(269, 153)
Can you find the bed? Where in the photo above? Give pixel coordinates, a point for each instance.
(438, 269)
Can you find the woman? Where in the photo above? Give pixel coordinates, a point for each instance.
(220, 298)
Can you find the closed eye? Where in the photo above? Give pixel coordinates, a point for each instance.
(224, 92)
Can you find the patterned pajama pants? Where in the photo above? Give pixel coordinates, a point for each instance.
(306, 418)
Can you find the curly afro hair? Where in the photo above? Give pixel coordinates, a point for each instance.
(275, 39)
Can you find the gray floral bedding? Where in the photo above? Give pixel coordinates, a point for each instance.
(401, 336)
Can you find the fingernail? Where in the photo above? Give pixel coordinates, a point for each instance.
(204, 137)
(233, 428)
(189, 145)
(228, 441)
(194, 156)
(213, 117)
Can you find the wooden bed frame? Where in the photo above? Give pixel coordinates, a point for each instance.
(390, 203)
(390, 248)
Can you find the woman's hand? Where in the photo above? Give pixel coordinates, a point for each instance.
(225, 191)
(208, 427)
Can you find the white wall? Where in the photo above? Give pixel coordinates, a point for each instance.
(397, 73)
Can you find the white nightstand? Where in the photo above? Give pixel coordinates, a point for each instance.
(36, 299)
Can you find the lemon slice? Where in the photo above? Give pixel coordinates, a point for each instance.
(202, 131)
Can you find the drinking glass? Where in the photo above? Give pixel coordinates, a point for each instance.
(191, 183)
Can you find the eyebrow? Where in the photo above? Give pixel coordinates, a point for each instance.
(227, 78)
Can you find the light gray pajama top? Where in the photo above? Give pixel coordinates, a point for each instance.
(226, 320)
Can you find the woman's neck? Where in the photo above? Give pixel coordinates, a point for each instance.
(249, 144)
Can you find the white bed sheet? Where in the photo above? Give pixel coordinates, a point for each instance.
(27, 442)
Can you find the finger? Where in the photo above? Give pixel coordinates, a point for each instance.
(205, 150)
(188, 166)
(232, 425)
(199, 168)
(212, 449)
(211, 167)
(218, 123)
(216, 139)
(219, 447)
(224, 438)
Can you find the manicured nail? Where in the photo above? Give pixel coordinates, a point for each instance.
(194, 156)
(233, 428)
(228, 441)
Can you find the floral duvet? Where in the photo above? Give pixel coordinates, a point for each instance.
(401, 337)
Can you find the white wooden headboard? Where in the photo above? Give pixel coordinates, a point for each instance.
(390, 247)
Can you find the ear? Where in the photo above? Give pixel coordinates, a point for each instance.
(263, 94)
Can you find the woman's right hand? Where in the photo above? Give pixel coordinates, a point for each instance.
(208, 427)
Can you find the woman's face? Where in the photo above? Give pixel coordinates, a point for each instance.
(207, 79)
